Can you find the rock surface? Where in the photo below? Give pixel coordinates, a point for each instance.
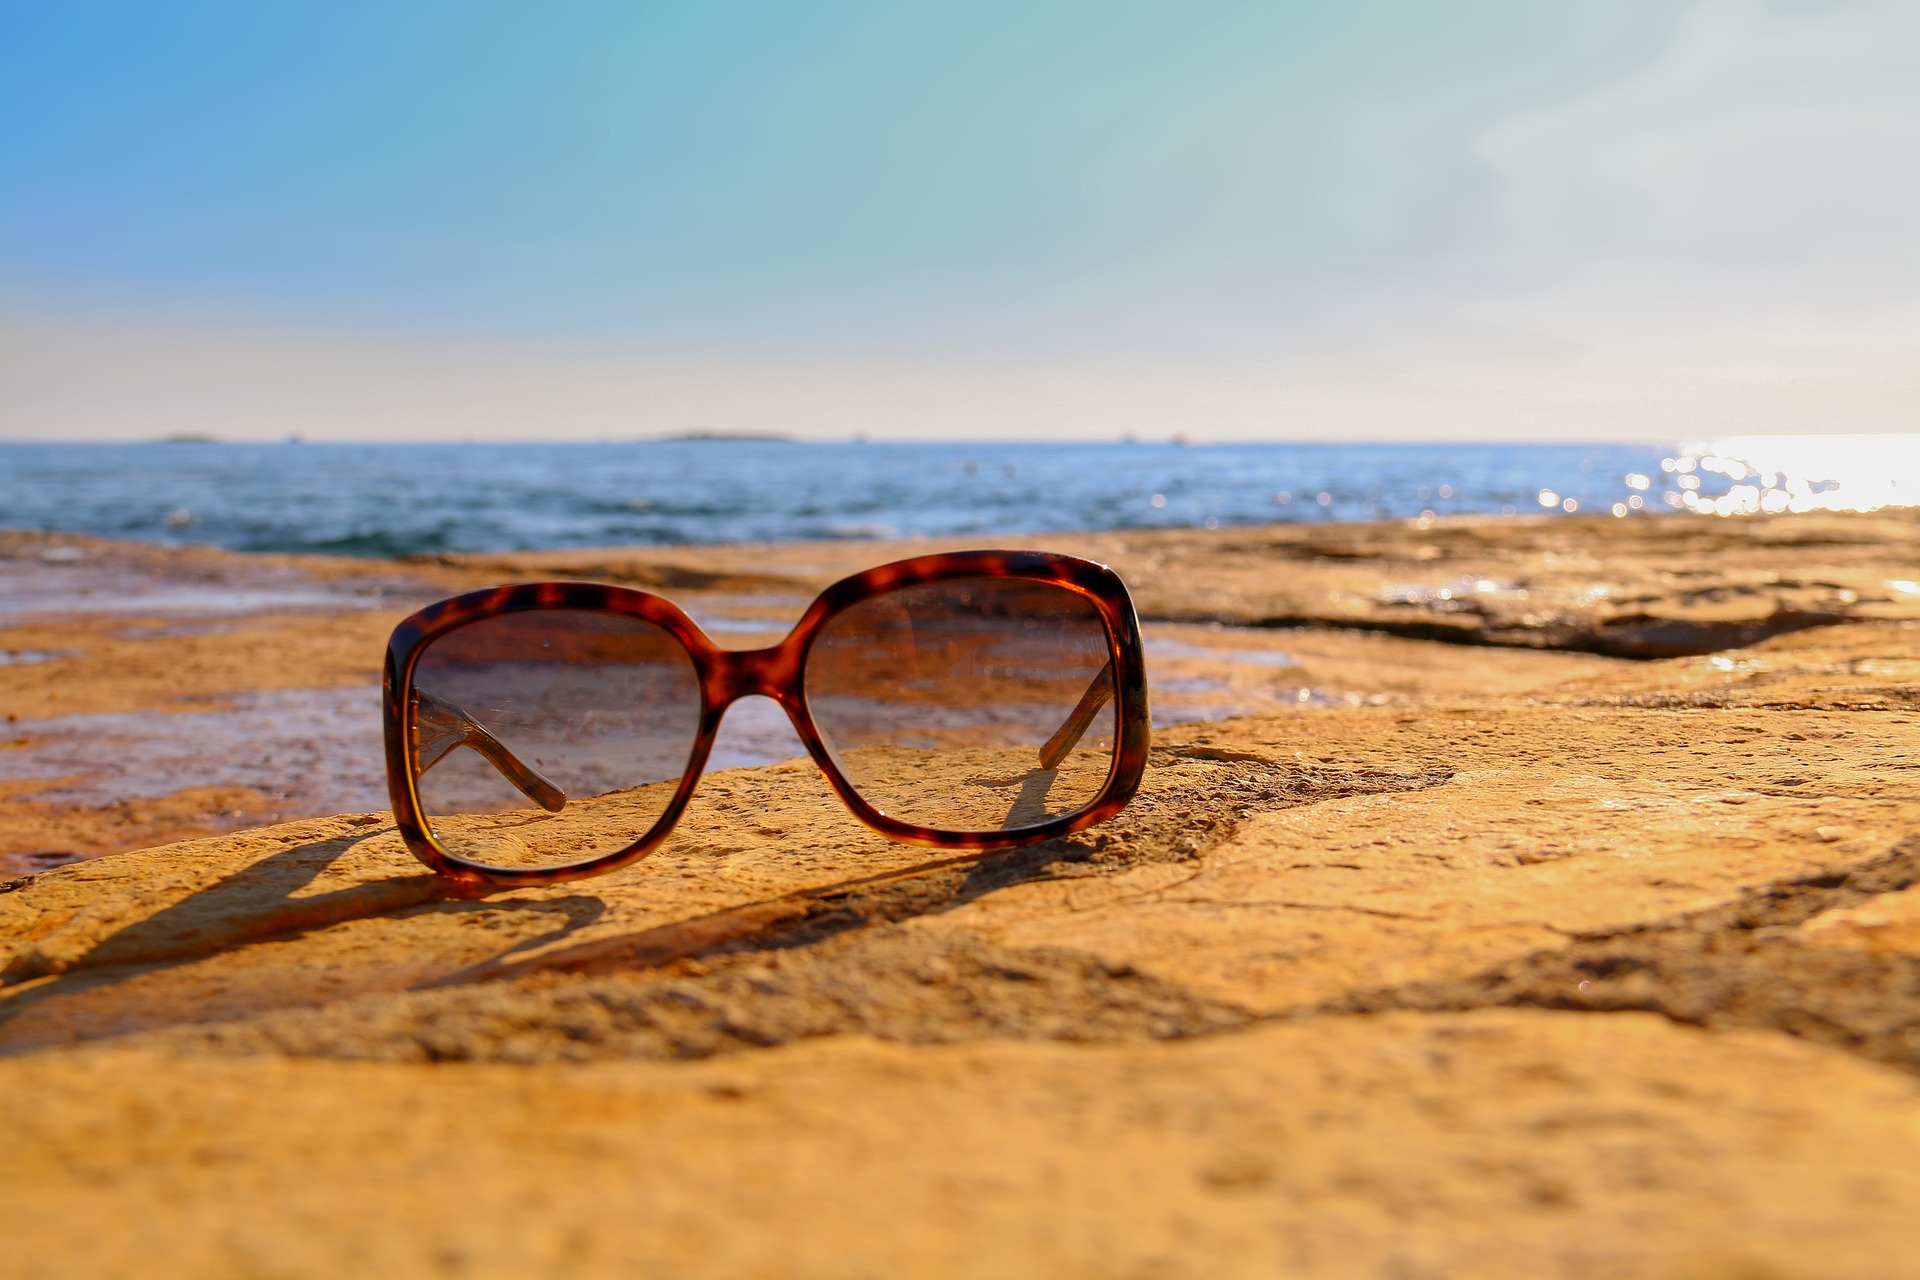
(1636, 588)
(1457, 959)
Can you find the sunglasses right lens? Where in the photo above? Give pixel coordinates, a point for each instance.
(550, 737)
(970, 705)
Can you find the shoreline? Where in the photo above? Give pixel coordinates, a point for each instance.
(116, 648)
(101, 636)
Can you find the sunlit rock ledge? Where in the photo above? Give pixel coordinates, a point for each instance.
(1514, 948)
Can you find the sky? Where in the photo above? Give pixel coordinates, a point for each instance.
(1380, 219)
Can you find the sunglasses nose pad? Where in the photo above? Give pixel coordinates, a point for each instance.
(755, 730)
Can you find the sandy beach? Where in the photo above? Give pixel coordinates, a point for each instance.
(1505, 897)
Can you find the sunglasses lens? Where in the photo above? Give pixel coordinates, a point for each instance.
(953, 705)
(550, 737)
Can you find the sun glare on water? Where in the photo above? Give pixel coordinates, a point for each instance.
(1746, 475)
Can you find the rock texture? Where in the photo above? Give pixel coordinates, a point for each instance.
(1637, 588)
(1456, 959)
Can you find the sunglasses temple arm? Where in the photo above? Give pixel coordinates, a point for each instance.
(445, 726)
(1055, 748)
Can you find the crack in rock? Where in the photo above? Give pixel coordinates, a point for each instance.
(1736, 699)
(893, 983)
(1737, 965)
(1641, 637)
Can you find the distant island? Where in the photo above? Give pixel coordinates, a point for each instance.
(733, 437)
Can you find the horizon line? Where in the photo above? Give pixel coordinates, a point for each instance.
(1175, 440)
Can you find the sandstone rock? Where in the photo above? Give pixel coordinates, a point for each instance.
(1499, 1143)
(1889, 923)
(1479, 960)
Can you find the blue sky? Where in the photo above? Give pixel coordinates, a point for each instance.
(1610, 219)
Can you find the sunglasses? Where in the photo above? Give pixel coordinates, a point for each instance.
(974, 700)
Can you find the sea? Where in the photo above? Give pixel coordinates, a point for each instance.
(399, 499)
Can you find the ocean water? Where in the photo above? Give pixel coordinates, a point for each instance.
(389, 499)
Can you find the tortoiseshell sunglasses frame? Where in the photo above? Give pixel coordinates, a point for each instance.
(777, 672)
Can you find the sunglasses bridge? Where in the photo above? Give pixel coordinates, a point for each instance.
(729, 675)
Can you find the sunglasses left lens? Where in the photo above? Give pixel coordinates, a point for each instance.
(550, 737)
